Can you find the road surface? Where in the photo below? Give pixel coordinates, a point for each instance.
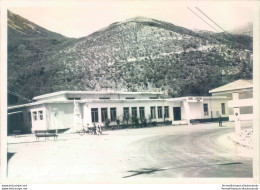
(197, 151)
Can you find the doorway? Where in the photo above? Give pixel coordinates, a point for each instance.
(176, 113)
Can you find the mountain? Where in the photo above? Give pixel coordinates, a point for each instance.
(137, 54)
(246, 29)
(28, 45)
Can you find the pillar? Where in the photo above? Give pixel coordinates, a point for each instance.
(187, 111)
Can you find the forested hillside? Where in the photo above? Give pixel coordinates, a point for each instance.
(139, 54)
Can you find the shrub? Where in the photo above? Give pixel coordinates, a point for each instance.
(118, 122)
(107, 122)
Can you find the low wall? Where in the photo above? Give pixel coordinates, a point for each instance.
(208, 120)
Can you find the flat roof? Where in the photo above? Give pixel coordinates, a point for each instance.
(94, 92)
(236, 85)
(113, 100)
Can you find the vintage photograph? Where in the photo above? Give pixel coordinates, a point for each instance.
(130, 91)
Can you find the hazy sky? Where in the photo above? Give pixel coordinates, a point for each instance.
(81, 18)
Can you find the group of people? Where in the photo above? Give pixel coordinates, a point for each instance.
(95, 130)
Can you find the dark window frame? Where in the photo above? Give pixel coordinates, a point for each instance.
(35, 115)
(113, 115)
(94, 115)
(223, 108)
(159, 112)
(126, 113)
(153, 112)
(206, 109)
(166, 111)
(104, 114)
(142, 113)
(40, 114)
(134, 111)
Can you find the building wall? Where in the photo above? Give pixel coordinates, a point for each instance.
(243, 94)
(243, 100)
(120, 107)
(60, 116)
(214, 109)
(38, 122)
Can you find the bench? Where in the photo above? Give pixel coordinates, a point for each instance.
(45, 133)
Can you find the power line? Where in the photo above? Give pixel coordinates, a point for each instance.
(233, 38)
(211, 19)
(202, 19)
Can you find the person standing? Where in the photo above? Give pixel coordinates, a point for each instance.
(220, 121)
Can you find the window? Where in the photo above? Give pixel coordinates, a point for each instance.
(154, 97)
(246, 110)
(205, 108)
(130, 98)
(104, 98)
(35, 115)
(94, 114)
(159, 109)
(166, 112)
(141, 113)
(223, 108)
(126, 113)
(134, 112)
(153, 114)
(40, 115)
(103, 114)
(113, 114)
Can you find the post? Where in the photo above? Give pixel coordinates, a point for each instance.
(236, 113)
(187, 110)
(237, 120)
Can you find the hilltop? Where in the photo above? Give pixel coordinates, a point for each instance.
(138, 54)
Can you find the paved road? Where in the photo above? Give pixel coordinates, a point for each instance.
(200, 151)
(203, 153)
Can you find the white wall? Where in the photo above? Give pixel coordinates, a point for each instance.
(214, 106)
(38, 124)
(60, 116)
(119, 109)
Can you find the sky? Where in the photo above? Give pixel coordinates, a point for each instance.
(81, 18)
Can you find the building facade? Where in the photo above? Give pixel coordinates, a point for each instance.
(240, 98)
(74, 109)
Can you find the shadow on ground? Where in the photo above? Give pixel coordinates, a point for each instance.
(143, 171)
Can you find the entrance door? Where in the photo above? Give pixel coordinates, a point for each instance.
(176, 113)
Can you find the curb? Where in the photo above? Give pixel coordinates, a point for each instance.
(238, 143)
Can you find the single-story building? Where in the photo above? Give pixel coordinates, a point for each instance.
(240, 98)
(74, 109)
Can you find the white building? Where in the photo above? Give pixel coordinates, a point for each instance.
(240, 98)
(73, 109)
